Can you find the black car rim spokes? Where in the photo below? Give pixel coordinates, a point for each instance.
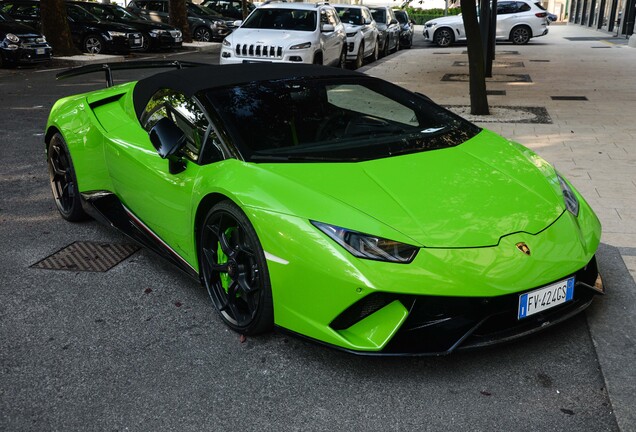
(230, 269)
(61, 179)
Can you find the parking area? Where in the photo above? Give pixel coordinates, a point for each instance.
(140, 347)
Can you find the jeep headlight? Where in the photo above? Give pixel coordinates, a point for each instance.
(369, 246)
(12, 38)
(226, 43)
(300, 46)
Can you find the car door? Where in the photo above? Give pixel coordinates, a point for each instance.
(394, 29)
(332, 41)
(142, 180)
(506, 18)
(369, 31)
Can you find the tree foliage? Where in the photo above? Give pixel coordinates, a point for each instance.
(476, 60)
(54, 26)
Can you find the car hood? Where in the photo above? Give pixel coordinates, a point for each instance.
(351, 27)
(452, 19)
(269, 37)
(112, 26)
(465, 196)
(17, 28)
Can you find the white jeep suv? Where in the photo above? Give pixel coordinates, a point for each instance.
(517, 21)
(289, 33)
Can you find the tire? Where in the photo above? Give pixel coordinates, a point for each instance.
(93, 44)
(202, 34)
(385, 48)
(342, 60)
(359, 61)
(444, 37)
(63, 180)
(234, 270)
(145, 42)
(520, 35)
(376, 52)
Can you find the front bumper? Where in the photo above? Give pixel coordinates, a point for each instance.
(251, 53)
(27, 54)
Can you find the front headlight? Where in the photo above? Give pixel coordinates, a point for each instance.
(40, 39)
(226, 43)
(571, 202)
(369, 246)
(157, 32)
(12, 38)
(300, 46)
(430, 24)
(116, 34)
(353, 34)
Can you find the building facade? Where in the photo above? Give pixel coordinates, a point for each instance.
(614, 16)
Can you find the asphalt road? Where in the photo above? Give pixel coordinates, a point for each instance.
(140, 348)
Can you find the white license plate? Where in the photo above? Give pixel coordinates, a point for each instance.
(177, 39)
(40, 51)
(545, 298)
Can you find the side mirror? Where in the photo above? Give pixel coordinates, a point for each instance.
(326, 28)
(168, 139)
(367, 21)
(238, 23)
(393, 21)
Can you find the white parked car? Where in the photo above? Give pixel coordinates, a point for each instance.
(362, 33)
(517, 21)
(289, 33)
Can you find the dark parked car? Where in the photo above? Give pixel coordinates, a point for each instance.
(389, 29)
(229, 8)
(21, 44)
(156, 35)
(89, 33)
(203, 28)
(406, 28)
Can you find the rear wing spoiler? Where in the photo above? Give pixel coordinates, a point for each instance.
(108, 68)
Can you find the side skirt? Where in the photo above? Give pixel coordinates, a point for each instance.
(105, 207)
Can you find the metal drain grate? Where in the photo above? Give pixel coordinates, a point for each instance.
(87, 256)
(500, 52)
(540, 61)
(569, 98)
(496, 92)
(497, 64)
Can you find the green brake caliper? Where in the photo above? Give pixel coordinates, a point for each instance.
(222, 259)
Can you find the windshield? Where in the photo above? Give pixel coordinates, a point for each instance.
(350, 15)
(379, 15)
(200, 10)
(333, 119)
(78, 14)
(106, 12)
(401, 17)
(4, 18)
(282, 19)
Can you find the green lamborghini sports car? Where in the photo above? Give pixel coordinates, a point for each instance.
(329, 204)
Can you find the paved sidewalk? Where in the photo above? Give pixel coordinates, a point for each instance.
(592, 142)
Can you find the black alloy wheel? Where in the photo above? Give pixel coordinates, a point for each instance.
(342, 60)
(444, 37)
(202, 34)
(520, 35)
(234, 270)
(93, 44)
(63, 181)
(145, 42)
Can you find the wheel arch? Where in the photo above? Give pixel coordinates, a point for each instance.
(208, 201)
(516, 26)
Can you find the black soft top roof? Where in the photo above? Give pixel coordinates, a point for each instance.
(192, 80)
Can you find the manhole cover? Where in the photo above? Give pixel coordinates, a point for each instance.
(87, 256)
(602, 47)
(569, 98)
(494, 78)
